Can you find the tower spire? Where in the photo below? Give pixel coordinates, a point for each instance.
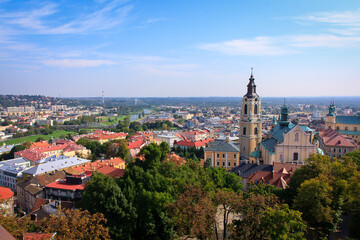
(251, 87)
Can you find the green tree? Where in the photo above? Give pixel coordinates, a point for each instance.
(315, 200)
(228, 203)
(39, 139)
(104, 195)
(355, 156)
(282, 223)
(193, 213)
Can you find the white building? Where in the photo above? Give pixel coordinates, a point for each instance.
(11, 170)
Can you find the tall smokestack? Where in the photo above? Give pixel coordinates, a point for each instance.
(103, 98)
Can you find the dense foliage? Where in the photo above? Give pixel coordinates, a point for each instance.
(326, 190)
(114, 148)
(157, 200)
(68, 224)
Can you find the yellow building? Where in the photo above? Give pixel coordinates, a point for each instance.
(222, 154)
(345, 125)
(286, 143)
(250, 122)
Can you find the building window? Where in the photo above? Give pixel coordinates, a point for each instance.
(339, 150)
(355, 128)
(281, 157)
(234, 164)
(229, 164)
(346, 128)
(217, 163)
(296, 137)
(344, 150)
(223, 164)
(296, 156)
(337, 128)
(256, 109)
(256, 131)
(244, 131)
(245, 109)
(234, 155)
(218, 155)
(223, 155)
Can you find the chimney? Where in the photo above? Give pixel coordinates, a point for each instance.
(33, 217)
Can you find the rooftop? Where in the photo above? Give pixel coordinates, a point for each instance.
(5, 193)
(348, 119)
(55, 165)
(223, 146)
(65, 186)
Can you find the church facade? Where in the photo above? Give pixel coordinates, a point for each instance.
(286, 143)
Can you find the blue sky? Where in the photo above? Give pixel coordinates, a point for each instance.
(179, 48)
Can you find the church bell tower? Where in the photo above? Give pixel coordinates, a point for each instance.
(250, 120)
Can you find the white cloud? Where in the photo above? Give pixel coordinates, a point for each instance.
(77, 63)
(328, 40)
(346, 18)
(256, 46)
(343, 23)
(110, 15)
(273, 46)
(153, 20)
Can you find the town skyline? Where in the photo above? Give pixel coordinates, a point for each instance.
(172, 49)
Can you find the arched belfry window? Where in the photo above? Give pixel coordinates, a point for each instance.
(256, 109)
(296, 137)
(244, 131)
(245, 109)
(256, 131)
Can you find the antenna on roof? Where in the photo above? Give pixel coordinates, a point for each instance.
(252, 71)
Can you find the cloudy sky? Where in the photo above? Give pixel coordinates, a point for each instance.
(179, 48)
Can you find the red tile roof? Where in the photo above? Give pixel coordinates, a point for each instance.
(194, 132)
(37, 153)
(38, 236)
(38, 203)
(111, 171)
(189, 143)
(65, 186)
(39, 144)
(92, 166)
(106, 135)
(31, 154)
(5, 193)
(278, 179)
(334, 139)
(136, 144)
(289, 167)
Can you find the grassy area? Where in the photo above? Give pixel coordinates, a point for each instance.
(55, 135)
(113, 120)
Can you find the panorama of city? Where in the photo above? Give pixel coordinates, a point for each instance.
(206, 120)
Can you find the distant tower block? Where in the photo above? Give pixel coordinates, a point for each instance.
(136, 101)
(103, 98)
